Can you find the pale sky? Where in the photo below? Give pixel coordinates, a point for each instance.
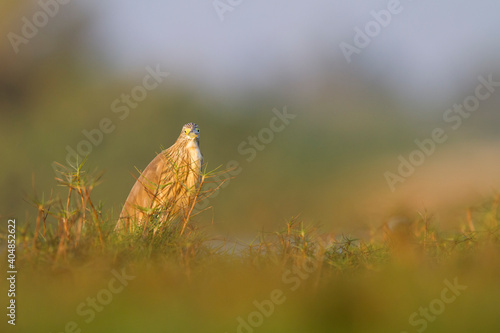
(429, 51)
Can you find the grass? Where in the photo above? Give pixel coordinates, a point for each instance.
(295, 279)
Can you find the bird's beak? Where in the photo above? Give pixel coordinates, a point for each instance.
(193, 134)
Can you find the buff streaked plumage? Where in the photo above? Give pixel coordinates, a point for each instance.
(168, 184)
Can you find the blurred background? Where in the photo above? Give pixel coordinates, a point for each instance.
(62, 66)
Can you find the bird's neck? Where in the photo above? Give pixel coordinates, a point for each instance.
(194, 150)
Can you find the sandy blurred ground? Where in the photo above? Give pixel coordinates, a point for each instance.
(446, 185)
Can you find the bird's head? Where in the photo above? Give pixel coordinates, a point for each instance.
(191, 131)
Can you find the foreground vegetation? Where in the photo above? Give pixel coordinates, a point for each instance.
(77, 274)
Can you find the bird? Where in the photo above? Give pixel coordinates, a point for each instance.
(167, 186)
